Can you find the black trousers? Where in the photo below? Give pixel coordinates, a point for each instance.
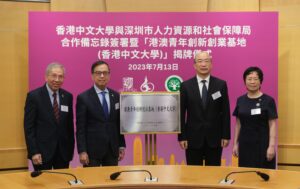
(109, 159)
(57, 162)
(211, 155)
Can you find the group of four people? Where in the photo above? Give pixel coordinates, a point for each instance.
(205, 120)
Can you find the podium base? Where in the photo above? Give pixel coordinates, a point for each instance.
(229, 181)
(72, 182)
(154, 179)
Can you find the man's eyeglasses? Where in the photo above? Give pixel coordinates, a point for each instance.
(56, 77)
(203, 60)
(99, 73)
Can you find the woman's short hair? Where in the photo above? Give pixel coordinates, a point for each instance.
(259, 72)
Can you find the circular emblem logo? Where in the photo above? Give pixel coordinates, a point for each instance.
(172, 83)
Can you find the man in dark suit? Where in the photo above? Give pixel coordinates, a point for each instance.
(48, 122)
(205, 114)
(99, 142)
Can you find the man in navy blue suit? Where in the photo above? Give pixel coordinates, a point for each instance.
(99, 142)
(48, 122)
(205, 114)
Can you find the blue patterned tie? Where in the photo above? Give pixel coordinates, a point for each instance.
(104, 104)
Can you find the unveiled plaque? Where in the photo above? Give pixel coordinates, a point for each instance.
(150, 112)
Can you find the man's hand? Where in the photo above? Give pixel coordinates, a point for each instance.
(183, 144)
(37, 159)
(84, 158)
(121, 154)
(224, 143)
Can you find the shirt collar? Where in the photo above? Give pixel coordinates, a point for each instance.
(50, 90)
(199, 79)
(99, 90)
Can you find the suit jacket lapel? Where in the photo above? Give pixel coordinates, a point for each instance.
(111, 102)
(211, 88)
(62, 101)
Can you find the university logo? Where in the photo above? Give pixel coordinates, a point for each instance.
(147, 86)
(172, 83)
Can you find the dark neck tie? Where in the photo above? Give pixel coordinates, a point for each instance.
(104, 104)
(55, 107)
(204, 93)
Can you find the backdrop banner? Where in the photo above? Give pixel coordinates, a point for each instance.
(153, 52)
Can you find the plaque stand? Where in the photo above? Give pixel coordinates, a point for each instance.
(150, 149)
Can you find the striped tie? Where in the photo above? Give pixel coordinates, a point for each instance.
(55, 107)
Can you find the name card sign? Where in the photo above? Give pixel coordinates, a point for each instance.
(150, 113)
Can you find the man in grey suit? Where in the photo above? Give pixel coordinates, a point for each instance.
(99, 142)
(48, 122)
(205, 114)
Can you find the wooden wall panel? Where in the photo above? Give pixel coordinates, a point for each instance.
(13, 15)
(290, 168)
(289, 88)
(289, 92)
(233, 5)
(288, 10)
(289, 77)
(289, 154)
(14, 77)
(78, 5)
(13, 158)
(156, 5)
